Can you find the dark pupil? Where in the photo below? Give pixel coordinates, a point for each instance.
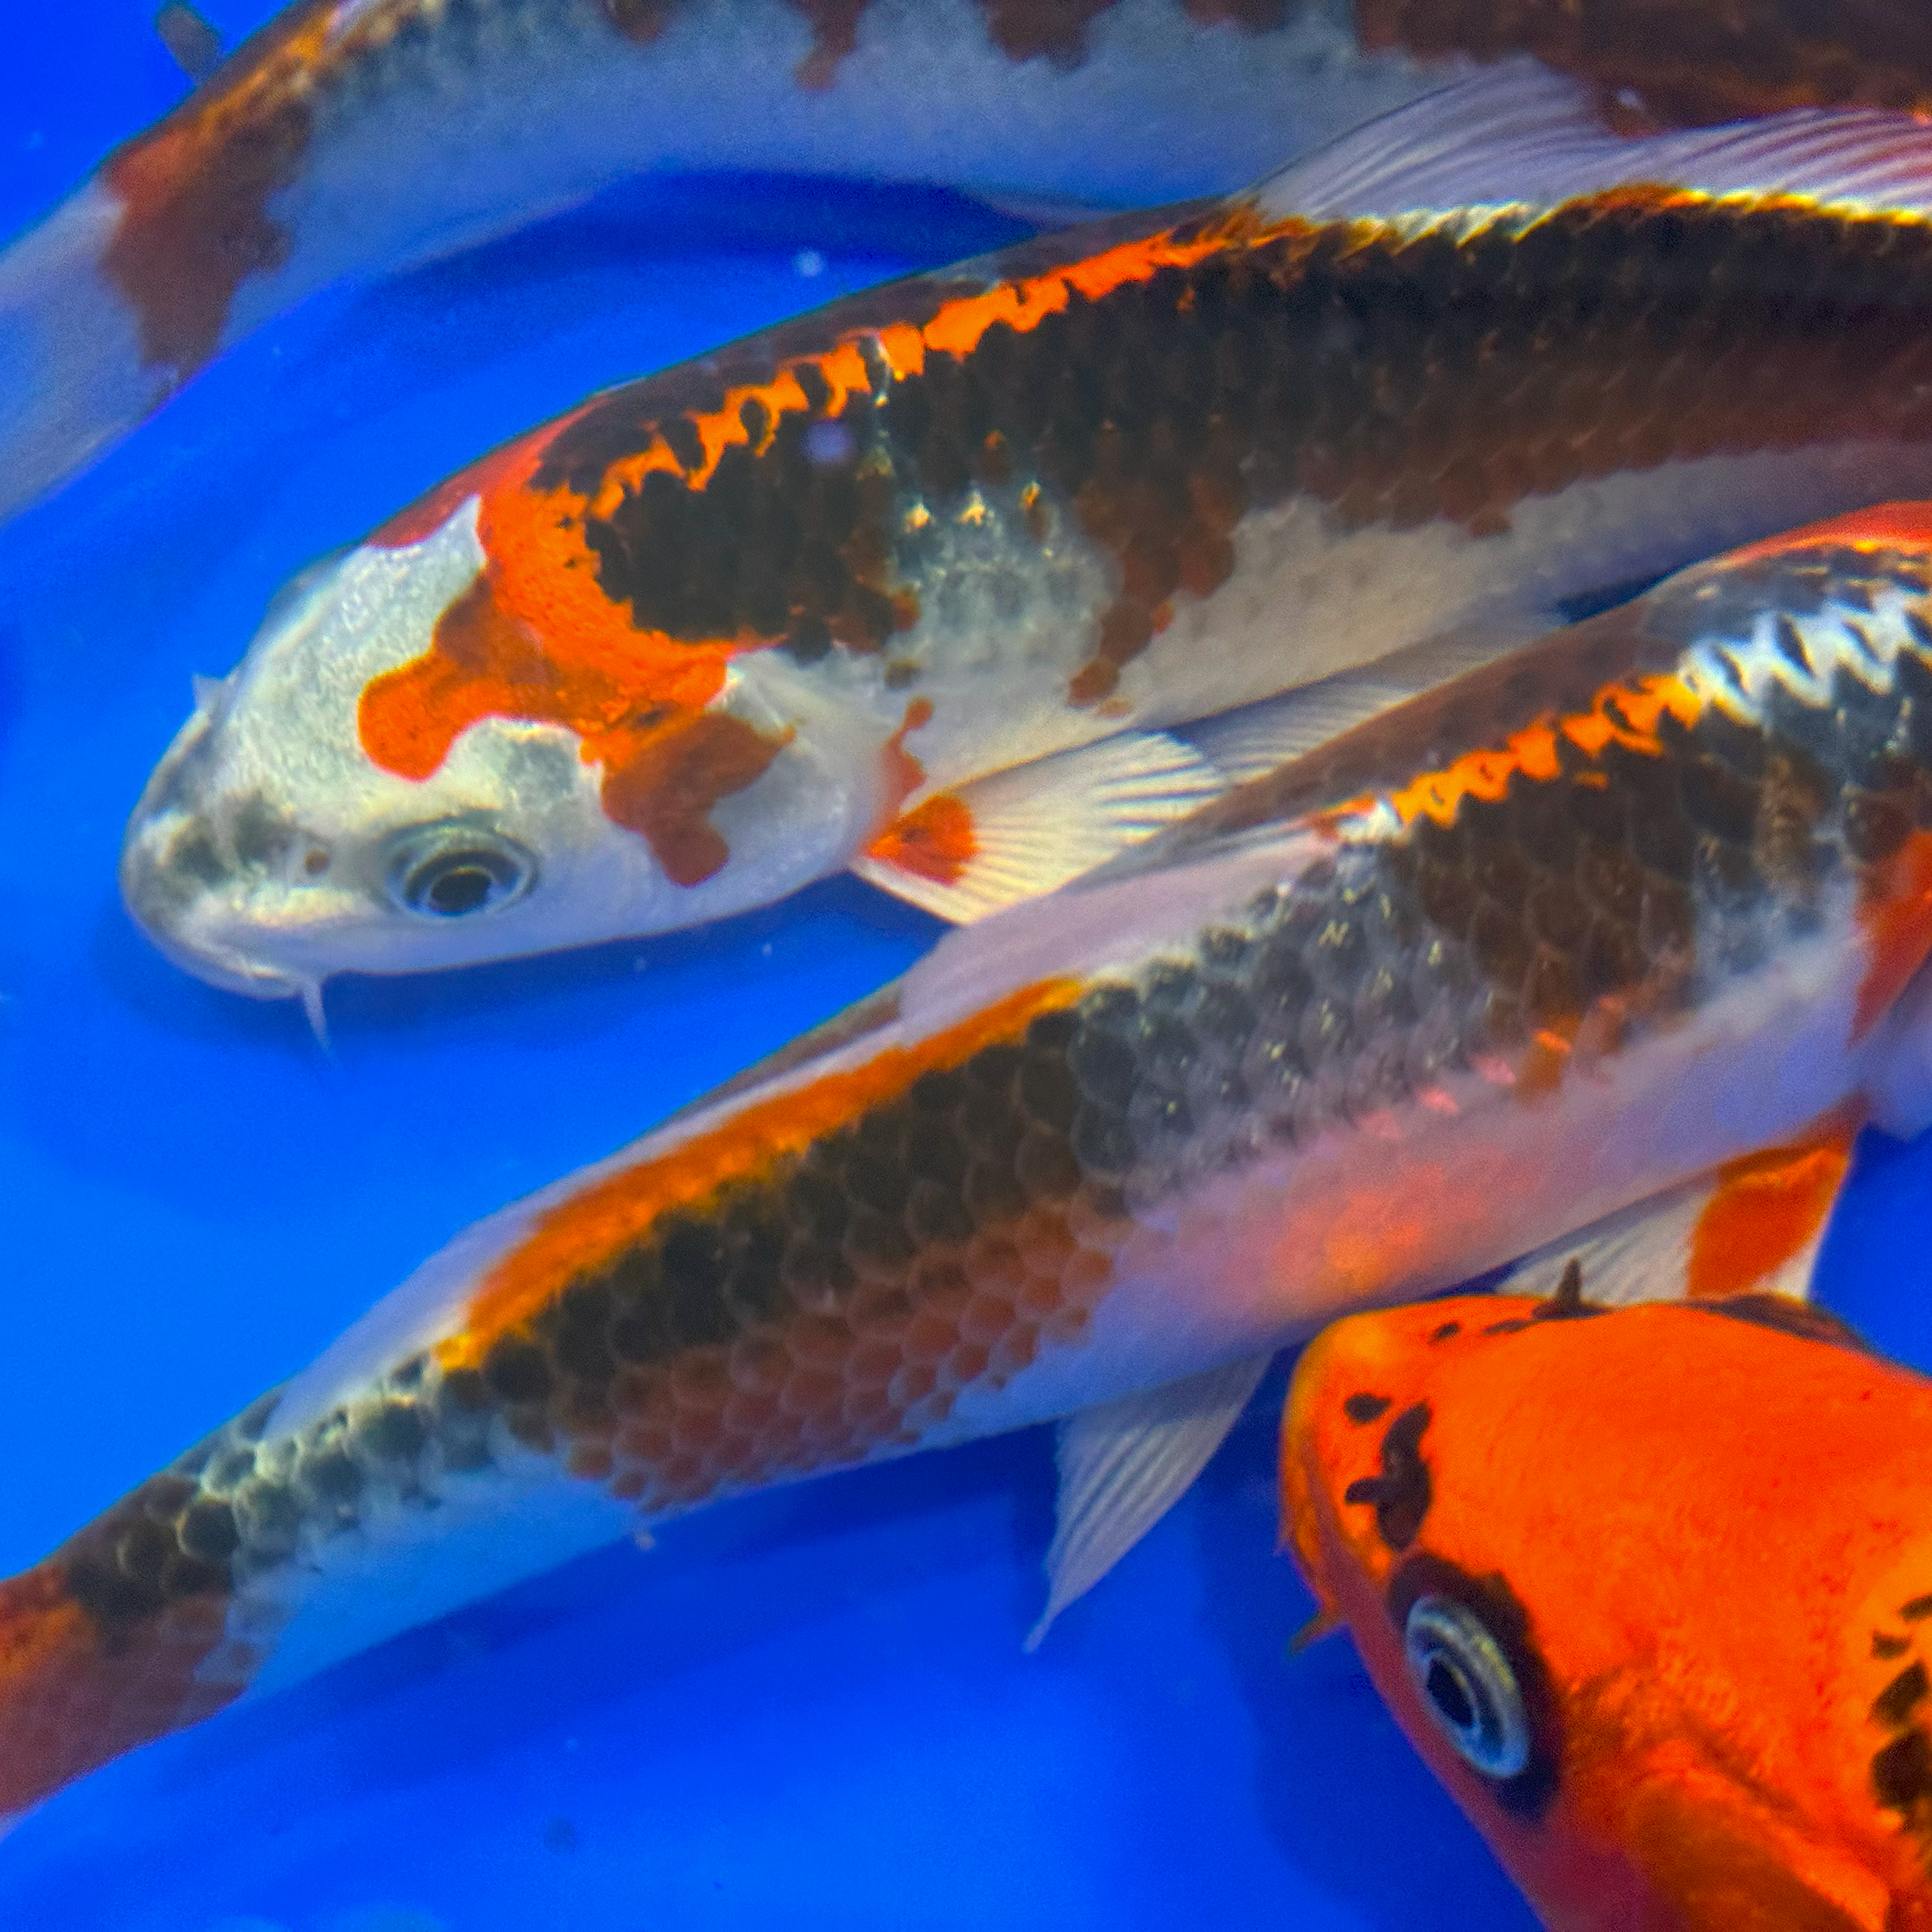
(1450, 1694)
(461, 888)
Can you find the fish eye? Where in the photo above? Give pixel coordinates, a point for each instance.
(1467, 1685)
(450, 872)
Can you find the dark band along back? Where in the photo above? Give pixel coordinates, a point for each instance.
(1395, 380)
(837, 1304)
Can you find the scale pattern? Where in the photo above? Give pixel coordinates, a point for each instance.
(831, 1298)
(783, 492)
(833, 1304)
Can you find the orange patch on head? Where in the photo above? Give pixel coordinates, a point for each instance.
(1895, 916)
(535, 639)
(574, 1237)
(1766, 1207)
(667, 780)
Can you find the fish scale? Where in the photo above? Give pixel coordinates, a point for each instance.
(946, 582)
(1395, 374)
(1652, 913)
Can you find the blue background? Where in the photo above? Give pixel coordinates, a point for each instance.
(808, 1708)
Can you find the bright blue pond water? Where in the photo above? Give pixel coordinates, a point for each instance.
(809, 1709)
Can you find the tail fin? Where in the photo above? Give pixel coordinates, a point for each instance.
(79, 1685)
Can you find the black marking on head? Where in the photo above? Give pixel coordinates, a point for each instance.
(1446, 1332)
(1515, 1325)
(1901, 1772)
(1894, 1704)
(1779, 1312)
(1914, 1608)
(1364, 1407)
(1401, 1493)
(1528, 1794)
(1885, 1646)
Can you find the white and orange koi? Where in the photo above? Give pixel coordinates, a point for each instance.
(1615, 944)
(927, 584)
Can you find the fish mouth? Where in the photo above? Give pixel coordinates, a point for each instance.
(231, 972)
(154, 900)
(177, 875)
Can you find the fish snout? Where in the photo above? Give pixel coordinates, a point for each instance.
(200, 869)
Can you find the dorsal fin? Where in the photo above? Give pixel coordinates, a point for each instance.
(1516, 134)
(194, 43)
(1566, 1302)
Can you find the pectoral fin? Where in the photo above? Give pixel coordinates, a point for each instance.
(1124, 1464)
(982, 847)
(1257, 738)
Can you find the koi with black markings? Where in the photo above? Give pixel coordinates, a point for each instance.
(936, 583)
(1612, 944)
(351, 138)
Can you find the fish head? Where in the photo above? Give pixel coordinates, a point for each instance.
(412, 770)
(1559, 1571)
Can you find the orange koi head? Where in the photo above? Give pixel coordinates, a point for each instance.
(1650, 1589)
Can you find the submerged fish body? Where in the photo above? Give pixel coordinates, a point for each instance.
(1626, 932)
(352, 137)
(1646, 1586)
(928, 583)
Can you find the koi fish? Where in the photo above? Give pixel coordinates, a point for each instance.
(1620, 956)
(351, 138)
(928, 584)
(1647, 1587)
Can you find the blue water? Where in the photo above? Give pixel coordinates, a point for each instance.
(807, 1709)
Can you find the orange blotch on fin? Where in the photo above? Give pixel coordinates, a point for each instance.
(591, 1228)
(1895, 915)
(1765, 1208)
(934, 840)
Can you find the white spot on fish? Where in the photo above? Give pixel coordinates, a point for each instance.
(829, 444)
